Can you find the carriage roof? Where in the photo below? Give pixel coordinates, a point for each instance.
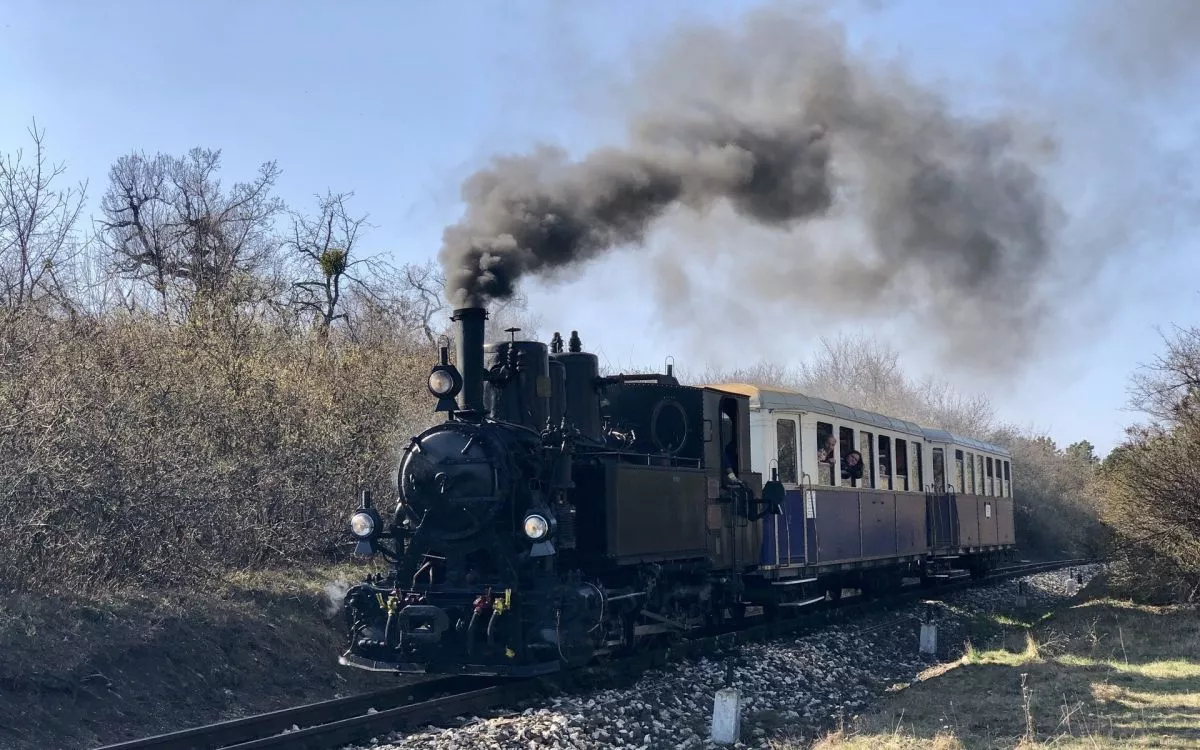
(788, 400)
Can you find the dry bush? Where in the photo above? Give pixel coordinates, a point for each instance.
(1055, 512)
(138, 453)
(1150, 485)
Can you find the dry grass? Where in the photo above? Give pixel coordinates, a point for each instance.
(81, 672)
(1102, 674)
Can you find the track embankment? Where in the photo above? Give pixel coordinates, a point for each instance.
(833, 658)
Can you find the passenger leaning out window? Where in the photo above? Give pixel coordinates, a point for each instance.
(852, 465)
(826, 453)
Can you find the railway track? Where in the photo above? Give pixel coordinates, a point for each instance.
(331, 724)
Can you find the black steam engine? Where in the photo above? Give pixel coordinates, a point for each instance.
(554, 515)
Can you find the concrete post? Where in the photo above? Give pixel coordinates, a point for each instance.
(928, 638)
(727, 717)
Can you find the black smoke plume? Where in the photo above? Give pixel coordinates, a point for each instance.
(779, 122)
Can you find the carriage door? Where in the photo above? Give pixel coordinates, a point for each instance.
(785, 532)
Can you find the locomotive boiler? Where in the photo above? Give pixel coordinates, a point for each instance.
(555, 514)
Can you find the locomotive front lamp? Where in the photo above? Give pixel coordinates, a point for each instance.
(441, 383)
(365, 525)
(362, 525)
(445, 382)
(536, 527)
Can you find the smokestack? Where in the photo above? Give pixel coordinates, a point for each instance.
(469, 352)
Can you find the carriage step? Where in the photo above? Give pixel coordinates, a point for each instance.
(793, 581)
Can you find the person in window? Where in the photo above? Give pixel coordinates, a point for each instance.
(852, 465)
(826, 453)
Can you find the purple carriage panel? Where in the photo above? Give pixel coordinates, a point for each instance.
(878, 524)
(988, 530)
(1004, 521)
(911, 535)
(969, 510)
(836, 525)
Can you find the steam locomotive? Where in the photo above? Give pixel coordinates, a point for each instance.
(558, 514)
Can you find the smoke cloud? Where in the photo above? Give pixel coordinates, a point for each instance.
(777, 125)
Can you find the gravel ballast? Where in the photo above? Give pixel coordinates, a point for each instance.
(797, 686)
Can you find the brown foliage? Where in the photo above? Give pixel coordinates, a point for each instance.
(135, 452)
(1150, 485)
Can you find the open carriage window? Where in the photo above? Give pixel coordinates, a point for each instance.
(918, 467)
(970, 487)
(990, 489)
(785, 437)
(902, 465)
(885, 462)
(867, 441)
(960, 477)
(852, 464)
(939, 470)
(826, 453)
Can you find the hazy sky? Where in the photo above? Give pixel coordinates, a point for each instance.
(400, 101)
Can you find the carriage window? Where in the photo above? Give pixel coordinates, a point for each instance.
(902, 465)
(959, 475)
(1007, 485)
(979, 479)
(970, 487)
(867, 441)
(826, 453)
(939, 471)
(885, 462)
(846, 444)
(990, 488)
(918, 467)
(785, 437)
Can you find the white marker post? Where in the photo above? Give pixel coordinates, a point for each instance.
(727, 717)
(928, 638)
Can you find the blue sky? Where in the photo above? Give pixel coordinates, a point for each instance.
(399, 101)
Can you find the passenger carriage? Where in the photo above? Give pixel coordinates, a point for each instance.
(905, 516)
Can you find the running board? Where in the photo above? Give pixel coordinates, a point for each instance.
(803, 604)
(793, 581)
(952, 575)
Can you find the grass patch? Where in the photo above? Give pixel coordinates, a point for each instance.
(1103, 673)
(83, 672)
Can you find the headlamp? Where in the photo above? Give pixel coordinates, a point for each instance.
(362, 525)
(441, 383)
(536, 527)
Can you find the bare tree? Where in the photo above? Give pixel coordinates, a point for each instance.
(1169, 389)
(167, 222)
(423, 293)
(37, 225)
(327, 245)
